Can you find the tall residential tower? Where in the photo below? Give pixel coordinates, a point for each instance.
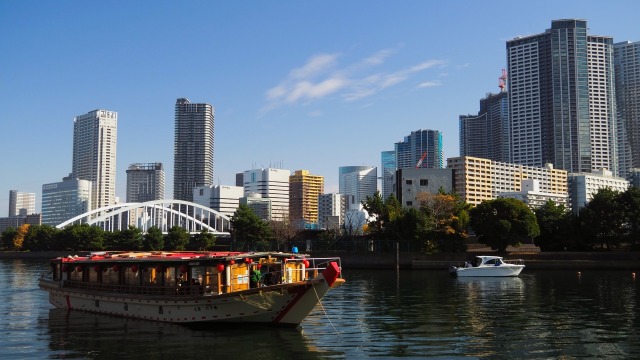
(561, 98)
(486, 135)
(304, 189)
(94, 154)
(422, 148)
(193, 148)
(627, 72)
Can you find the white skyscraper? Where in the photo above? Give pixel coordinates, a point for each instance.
(272, 184)
(21, 203)
(64, 200)
(94, 154)
(357, 182)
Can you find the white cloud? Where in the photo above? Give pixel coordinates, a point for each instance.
(378, 58)
(321, 76)
(314, 66)
(428, 84)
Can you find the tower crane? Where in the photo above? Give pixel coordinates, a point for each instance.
(419, 163)
(502, 81)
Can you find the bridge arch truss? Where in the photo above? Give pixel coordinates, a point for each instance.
(163, 214)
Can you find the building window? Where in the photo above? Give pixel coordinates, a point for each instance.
(408, 182)
(424, 182)
(409, 203)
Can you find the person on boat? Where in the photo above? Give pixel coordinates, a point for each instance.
(255, 277)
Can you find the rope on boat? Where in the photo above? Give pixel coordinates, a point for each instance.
(325, 311)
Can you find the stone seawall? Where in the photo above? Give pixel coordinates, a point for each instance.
(536, 261)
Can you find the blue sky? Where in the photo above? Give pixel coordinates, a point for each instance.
(295, 84)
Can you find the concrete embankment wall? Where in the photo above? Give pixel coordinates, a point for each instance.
(536, 261)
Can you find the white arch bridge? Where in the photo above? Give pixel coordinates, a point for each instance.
(163, 214)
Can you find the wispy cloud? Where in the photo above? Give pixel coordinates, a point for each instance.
(428, 84)
(321, 76)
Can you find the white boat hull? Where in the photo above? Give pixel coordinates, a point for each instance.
(504, 270)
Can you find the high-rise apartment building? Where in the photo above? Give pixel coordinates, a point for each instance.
(561, 98)
(64, 200)
(94, 154)
(388, 162)
(356, 183)
(145, 182)
(421, 149)
(272, 184)
(304, 189)
(627, 80)
(193, 148)
(487, 134)
(21, 203)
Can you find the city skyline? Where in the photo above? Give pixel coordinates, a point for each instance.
(275, 73)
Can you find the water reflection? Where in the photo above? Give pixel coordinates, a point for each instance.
(78, 334)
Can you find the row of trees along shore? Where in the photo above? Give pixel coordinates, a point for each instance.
(441, 224)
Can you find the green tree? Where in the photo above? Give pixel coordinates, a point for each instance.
(131, 239)
(40, 238)
(153, 239)
(82, 237)
(248, 230)
(177, 239)
(502, 222)
(414, 227)
(630, 202)
(374, 206)
(555, 225)
(602, 219)
(202, 241)
(7, 238)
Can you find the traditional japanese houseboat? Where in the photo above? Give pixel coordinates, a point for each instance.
(191, 287)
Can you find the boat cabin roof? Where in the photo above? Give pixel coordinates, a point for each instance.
(488, 257)
(155, 256)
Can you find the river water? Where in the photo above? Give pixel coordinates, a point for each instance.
(376, 314)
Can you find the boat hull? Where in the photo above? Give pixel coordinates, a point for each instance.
(286, 304)
(504, 270)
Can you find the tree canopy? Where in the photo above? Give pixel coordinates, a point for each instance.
(502, 222)
(248, 230)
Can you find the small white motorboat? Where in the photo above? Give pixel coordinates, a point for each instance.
(489, 266)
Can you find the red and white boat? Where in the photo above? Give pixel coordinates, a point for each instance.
(193, 287)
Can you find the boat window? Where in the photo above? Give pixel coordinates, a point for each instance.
(94, 273)
(151, 276)
(111, 276)
(170, 276)
(197, 275)
(76, 274)
(131, 277)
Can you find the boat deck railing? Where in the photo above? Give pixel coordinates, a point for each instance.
(143, 290)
